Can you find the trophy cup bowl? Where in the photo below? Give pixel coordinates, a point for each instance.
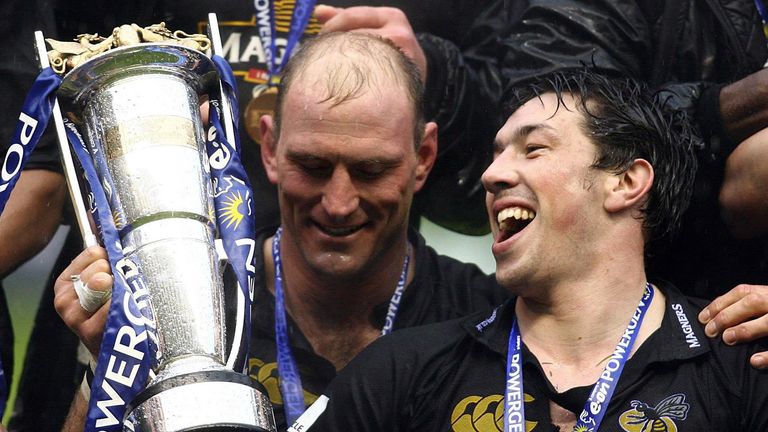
(138, 110)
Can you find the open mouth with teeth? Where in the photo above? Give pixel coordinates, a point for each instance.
(339, 231)
(512, 220)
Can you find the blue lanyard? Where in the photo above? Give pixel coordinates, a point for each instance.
(394, 302)
(763, 15)
(597, 403)
(265, 22)
(290, 379)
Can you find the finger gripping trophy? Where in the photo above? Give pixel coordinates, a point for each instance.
(134, 99)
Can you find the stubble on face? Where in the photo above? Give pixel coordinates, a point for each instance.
(346, 179)
(550, 166)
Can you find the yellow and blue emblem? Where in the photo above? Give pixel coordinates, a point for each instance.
(230, 212)
(661, 418)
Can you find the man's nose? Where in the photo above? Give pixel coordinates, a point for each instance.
(340, 198)
(501, 174)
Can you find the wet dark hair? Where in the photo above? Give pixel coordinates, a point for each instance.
(627, 121)
(362, 59)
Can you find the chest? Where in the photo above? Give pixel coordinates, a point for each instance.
(316, 372)
(682, 399)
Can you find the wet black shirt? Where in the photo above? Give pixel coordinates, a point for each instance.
(451, 377)
(442, 289)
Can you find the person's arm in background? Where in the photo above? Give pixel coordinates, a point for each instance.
(744, 124)
(744, 191)
(75, 421)
(462, 94)
(94, 270)
(32, 213)
(30, 217)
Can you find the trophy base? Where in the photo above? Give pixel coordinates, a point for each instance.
(218, 400)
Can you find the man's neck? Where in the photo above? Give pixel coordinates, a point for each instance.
(575, 328)
(334, 314)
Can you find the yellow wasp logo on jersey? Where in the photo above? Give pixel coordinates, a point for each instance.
(661, 418)
(483, 414)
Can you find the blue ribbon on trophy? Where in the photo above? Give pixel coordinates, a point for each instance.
(31, 124)
(128, 365)
(128, 351)
(233, 199)
(265, 22)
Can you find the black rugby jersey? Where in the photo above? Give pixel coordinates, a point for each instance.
(451, 377)
(442, 289)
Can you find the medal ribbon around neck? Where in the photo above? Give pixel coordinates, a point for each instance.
(265, 22)
(290, 379)
(763, 15)
(597, 403)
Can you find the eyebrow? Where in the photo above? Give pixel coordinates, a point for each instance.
(383, 160)
(522, 132)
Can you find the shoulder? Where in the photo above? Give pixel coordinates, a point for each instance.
(684, 333)
(423, 342)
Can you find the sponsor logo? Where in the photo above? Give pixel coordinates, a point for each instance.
(685, 325)
(15, 155)
(486, 322)
(124, 360)
(660, 418)
(483, 413)
(267, 375)
(229, 212)
(607, 378)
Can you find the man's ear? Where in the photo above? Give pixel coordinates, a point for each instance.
(268, 146)
(630, 188)
(427, 154)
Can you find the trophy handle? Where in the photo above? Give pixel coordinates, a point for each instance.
(70, 173)
(217, 49)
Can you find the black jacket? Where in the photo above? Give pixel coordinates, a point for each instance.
(683, 45)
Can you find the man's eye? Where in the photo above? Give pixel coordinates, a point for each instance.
(369, 173)
(316, 170)
(533, 149)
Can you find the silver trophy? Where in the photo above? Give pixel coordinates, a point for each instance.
(137, 107)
